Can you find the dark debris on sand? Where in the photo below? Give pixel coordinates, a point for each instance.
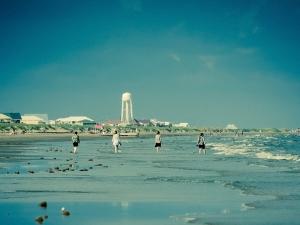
(39, 219)
(43, 204)
(65, 212)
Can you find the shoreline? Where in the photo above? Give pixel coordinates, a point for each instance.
(5, 137)
(57, 136)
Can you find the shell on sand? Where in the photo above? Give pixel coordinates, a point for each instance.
(65, 212)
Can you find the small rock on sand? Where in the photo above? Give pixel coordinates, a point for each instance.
(65, 212)
(43, 204)
(39, 219)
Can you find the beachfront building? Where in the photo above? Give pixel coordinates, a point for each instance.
(181, 125)
(112, 123)
(158, 123)
(231, 127)
(76, 120)
(35, 119)
(31, 119)
(51, 122)
(126, 110)
(143, 122)
(5, 118)
(15, 117)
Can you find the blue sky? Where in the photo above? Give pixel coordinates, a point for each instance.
(209, 63)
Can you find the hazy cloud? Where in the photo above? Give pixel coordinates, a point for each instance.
(208, 61)
(175, 57)
(177, 28)
(249, 23)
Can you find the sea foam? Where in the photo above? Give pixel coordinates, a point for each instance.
(223, 149)
(269, 155)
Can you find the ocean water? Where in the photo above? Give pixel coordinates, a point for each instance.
(241, 180)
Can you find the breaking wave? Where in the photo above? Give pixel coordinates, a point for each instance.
(269, 155)
(250, 150)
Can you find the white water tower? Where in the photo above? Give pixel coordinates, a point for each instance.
(126, 111)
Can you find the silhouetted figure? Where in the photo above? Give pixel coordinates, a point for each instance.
(157, 141)
(76, 141)
(201, 143)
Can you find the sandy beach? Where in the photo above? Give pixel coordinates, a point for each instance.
(237, 179)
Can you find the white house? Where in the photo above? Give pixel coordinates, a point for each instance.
(158, 123)
(231, 127)
(35, 119)
(76, 120)
(5, 118)
(31, 119)
(182, 125)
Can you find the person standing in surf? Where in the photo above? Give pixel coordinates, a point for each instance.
(76, 141)
(157, 141)
(201, 143)
(116, 141)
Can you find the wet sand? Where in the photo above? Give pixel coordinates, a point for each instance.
(136, 186)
